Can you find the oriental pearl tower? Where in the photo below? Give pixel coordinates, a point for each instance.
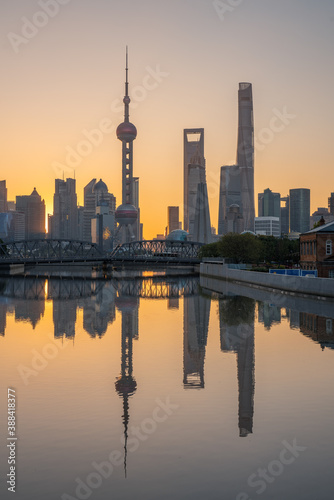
(126, 214)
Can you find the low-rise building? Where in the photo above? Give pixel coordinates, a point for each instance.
(317, 250)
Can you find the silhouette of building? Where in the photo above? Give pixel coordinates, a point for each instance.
(229, 194)
(127, 213)
(269, 205)
(299, 210)
(96, 194)
(198, 204)
(193, 146)
(3, 197)
(64, 221)
(331, 204)
(173, 219)
(33, 208)
(245, 154)
(285, 214)
(202, 224)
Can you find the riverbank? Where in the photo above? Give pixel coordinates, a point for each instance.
(322, 288)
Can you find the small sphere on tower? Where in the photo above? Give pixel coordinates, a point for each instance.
(126, 214)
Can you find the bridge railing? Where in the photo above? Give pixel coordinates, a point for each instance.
(48, 250)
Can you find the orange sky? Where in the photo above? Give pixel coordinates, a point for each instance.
(186, 61)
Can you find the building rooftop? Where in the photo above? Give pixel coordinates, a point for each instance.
(326, 228)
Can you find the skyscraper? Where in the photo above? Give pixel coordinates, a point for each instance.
(64, 222)
(245, 153)
(285, 215)
(127, 213)
(3, 197)
(269, 204)
(173, 219)
(300, 210)
(195, 176)
(331, 204)
(95, 194)
(230, 194)
(33, 208)
(193, 143)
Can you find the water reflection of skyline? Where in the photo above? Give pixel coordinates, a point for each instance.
(101, 301)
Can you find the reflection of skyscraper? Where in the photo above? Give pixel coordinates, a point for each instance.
(236, 318)
(64, 318)
(99, 311)
(193, 142)
(245, 153)
(269, 315)
(29, 311)
(195, 330)
(3, 318)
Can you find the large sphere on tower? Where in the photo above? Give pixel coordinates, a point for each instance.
(126, 131)
(126, 214)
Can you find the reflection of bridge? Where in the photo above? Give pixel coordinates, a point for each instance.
(74, 289)
(65, 251)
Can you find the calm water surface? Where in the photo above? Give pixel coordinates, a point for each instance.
(154, 389)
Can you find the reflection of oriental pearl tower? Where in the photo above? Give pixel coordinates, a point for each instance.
(126, 214)
(126, 384)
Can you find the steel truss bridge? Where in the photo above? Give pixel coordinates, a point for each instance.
(45, 251)
(157, 251)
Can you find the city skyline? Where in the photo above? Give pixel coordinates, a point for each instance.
(72, 84)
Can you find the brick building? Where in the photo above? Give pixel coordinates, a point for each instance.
(317, 250)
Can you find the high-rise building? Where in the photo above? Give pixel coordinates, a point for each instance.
(331, 204)
(195, 176)
(3, 197)
(285, 215)
(237, 181)
(300, 210)
(33, 208)
(173, 219)
(64, 222)
(127, 213)
(269, 204)
(95, 194)
(193, 144)
(268, 226)
(245, 153)
(230, 194)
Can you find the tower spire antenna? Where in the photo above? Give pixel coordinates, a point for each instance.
(126, 99)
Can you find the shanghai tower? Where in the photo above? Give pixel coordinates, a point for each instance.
(245, 154)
